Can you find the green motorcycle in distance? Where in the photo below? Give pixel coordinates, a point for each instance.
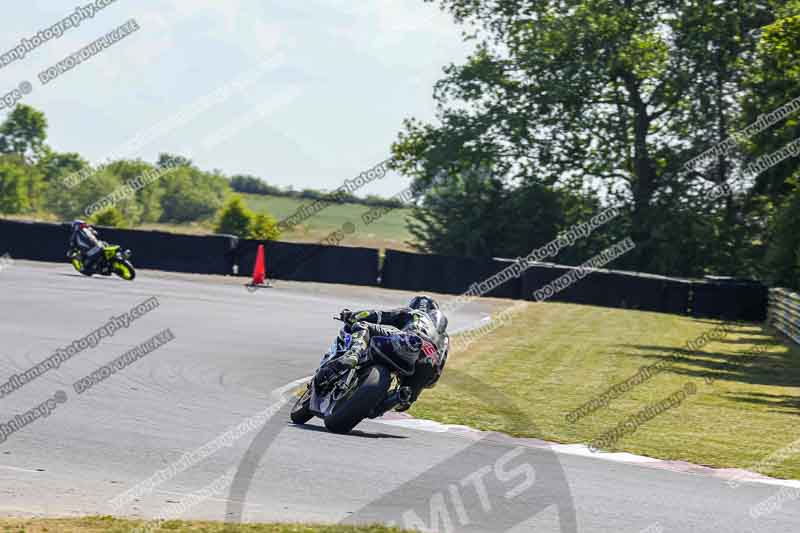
(113, 261)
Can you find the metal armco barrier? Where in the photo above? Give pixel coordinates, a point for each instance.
(783, 312)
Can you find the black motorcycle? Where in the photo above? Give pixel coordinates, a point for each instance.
(368, 390)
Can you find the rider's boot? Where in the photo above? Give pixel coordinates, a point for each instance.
(414, 384)
(91, 260)
(359, 338)
(346, 361)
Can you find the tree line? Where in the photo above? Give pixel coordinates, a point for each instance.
(245, 183)
(37, 180)
(564, 108)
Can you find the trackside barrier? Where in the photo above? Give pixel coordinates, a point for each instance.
(444, 274)
(310, 262)
(201, 254)
(612, 288)
(783, 312)
(159, 250)
(729, 299)
(37, 241)
(716, 298)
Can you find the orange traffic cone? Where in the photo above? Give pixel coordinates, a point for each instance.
(259, 270)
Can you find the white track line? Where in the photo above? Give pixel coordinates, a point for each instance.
(581, 450)
(210, 498)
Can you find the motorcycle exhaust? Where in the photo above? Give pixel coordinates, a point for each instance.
(402, 395)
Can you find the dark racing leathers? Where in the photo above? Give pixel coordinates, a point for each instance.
(369, 328)
(86, 240)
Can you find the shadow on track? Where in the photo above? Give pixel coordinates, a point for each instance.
(355, 433)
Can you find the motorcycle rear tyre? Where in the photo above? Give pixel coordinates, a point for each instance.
(349, 412)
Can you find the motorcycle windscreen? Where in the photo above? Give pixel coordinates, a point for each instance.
(339, 345)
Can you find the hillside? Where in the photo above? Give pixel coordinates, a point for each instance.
(389, 231)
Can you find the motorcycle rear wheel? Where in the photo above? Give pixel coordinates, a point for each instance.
(350, 411)
(78, 265)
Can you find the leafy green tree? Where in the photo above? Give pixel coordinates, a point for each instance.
(71, 203)
(253, 185)
(172, 160)
(22, 137)
(55, 165)
(462, 215)
(127, 170)
(235, 218)
(190, 194)
(783, 251)
(612, 96)
(13, 187)
(264, 227)
(23, 133)
(111, 217)
(150, 199)
(772, 82)
(475, 213)
(145, 204)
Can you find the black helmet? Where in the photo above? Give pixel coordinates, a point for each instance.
(426, 304)
(78, 224)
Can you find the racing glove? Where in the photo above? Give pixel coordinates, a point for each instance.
(347, 316)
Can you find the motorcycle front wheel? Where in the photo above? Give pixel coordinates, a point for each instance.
(300, 412)
(351, 410)
(124, 269)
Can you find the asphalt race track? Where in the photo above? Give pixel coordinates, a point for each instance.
(232, 349)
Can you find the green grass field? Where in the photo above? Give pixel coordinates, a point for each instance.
(554, 357)
(387, 232)
(113, 525)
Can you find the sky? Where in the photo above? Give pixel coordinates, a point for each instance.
(301, 93)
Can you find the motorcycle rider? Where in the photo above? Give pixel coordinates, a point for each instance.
(417, 331)
(86, 239)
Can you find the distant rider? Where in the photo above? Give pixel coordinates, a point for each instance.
(85, 238)
(419, 330)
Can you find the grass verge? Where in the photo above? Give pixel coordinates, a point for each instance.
(96, 524)
(553, 357)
